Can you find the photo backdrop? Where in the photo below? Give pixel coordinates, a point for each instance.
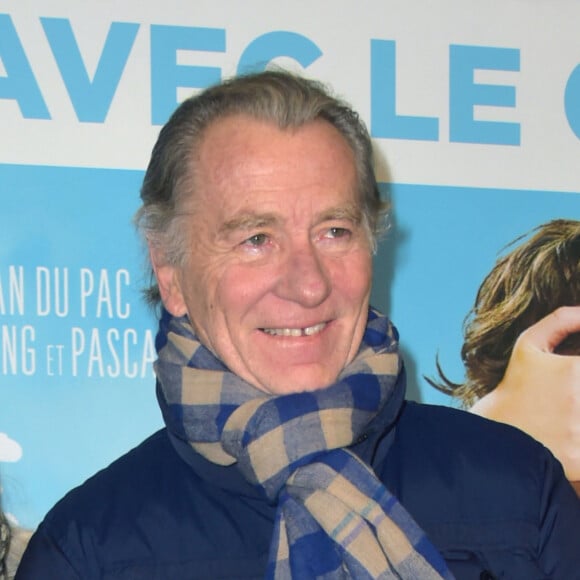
(474, 109)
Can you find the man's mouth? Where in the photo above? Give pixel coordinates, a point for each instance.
(295, 332)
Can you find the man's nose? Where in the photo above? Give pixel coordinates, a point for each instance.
(304, 278)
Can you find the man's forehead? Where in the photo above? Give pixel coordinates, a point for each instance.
(253, 136)
(256, 174)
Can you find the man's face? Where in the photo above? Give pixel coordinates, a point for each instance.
(278, 274)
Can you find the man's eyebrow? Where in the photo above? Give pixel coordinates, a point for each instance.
(252, 220)
(351, 212)
(248, 221)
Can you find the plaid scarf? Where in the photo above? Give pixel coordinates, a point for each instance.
(334, 518)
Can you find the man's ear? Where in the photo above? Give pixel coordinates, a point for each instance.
(168, 283)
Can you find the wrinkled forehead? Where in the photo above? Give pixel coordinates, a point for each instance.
(240, 155)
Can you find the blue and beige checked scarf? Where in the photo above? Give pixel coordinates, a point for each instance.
(334, 518)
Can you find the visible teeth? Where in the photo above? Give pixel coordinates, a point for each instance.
(313, 329)
(309, 331)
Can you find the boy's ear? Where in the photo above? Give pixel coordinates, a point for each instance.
(168, 283)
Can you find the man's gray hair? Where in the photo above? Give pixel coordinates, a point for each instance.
(280, 97)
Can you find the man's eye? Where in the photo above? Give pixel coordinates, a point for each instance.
(338, 232)
(257, 240)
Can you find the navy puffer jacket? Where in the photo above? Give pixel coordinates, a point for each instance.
(493, 501)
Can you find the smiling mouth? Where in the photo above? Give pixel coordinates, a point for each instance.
(295, 332)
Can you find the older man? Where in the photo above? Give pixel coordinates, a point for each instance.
(289, 451)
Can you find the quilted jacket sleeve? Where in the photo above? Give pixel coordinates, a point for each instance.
(45, 559)
(560, 525)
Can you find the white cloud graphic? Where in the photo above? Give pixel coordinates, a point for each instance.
(10, 450)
